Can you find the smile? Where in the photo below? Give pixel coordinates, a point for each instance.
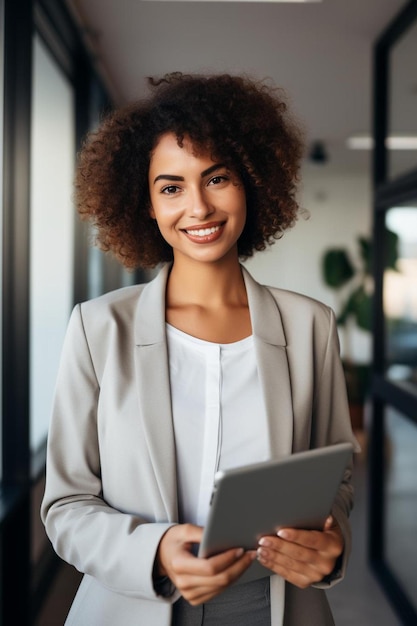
(202, 232)
(206, 234)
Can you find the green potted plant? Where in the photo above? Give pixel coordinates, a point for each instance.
(355, 282)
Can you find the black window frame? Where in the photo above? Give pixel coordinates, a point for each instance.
(386, 393)
(21, 470)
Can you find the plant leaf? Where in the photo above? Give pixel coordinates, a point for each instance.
(365, 248)
(361, 308)
(391, 250)
(337, 268)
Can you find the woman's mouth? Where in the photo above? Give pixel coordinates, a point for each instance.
(205, 234)
(202, 232)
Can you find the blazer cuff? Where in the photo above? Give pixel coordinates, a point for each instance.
(163, 585)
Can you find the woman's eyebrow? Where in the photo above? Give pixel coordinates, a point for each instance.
(174, 178)
(168, 177)
(212, 168)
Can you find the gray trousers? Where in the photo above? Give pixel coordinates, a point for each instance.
(246, 604)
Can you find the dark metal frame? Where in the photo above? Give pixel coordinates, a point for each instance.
(384, 392)
(19, 473)
(15, 525)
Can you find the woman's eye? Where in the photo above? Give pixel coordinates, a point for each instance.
(216, 180)
(170, 190)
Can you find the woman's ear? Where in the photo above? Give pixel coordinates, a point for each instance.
(151, 212)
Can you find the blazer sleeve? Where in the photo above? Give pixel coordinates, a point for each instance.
(117, 548)
(331, 424)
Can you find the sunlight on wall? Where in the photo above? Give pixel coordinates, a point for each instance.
(51, 250)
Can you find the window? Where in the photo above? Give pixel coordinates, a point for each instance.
(52, 229)
(400, 297)
(1, 201)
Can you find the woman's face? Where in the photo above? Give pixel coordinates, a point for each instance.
(198, 203)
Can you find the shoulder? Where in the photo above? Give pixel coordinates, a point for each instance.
(119, 300)
(287, 302)
(108, 315)
(293, 303)
(309, 326)
(124, 301)
(305, 320)
(115, 307)
(295, 315)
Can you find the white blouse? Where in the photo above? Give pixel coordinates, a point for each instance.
(218, 410)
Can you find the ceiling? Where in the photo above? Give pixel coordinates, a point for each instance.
(320, 53)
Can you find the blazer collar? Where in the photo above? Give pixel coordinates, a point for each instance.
(152, 371)
(150, 313)
(150, 318)
(273, 367)
(265, 316)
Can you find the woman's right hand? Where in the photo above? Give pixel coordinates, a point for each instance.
(198, 579)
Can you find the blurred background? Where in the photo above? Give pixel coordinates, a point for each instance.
(349, 72)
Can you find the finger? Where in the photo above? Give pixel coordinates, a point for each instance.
(187, 563)
(189, 533)
(295, 560)
(226, 575)
(307, 538)
(197, 589)
(302, 578)
(298, 572)
(290, 555)
(329, 541)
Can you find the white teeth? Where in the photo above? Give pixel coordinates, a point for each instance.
(203, 232)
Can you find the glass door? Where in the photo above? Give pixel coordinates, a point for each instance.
(393, 436)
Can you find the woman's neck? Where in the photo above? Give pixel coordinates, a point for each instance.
(209, 301)
(206, 284)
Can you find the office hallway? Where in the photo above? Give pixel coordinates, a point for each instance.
(359, 599)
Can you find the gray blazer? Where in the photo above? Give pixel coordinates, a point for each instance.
(110, 480)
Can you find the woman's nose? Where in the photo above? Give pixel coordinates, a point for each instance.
(199, 207)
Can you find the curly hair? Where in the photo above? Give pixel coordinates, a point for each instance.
(243, 122)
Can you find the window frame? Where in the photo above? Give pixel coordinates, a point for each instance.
(385, 393)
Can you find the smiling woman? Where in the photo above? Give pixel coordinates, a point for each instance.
(204, 214)
(162, 384)
(242, 124)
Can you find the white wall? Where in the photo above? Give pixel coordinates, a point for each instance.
(340, 208)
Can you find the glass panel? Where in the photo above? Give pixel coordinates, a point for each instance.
(52, 224)
(1, 208)
(400, 297)
(401, 501)
(402, 123)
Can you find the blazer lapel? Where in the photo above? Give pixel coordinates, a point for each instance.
(270, 346)
(152, 371)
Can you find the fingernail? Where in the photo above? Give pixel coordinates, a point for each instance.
(239, 552)
(283, 534)
(261, 554)
(263, 541)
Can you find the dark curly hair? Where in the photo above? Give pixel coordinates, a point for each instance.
(243, 122)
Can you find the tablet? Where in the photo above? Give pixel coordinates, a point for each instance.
(295, 492)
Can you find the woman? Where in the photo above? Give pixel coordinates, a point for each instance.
(202, 368)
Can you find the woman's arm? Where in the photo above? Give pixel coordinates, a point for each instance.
(117, 548)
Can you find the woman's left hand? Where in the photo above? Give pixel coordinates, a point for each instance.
(302, 557)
